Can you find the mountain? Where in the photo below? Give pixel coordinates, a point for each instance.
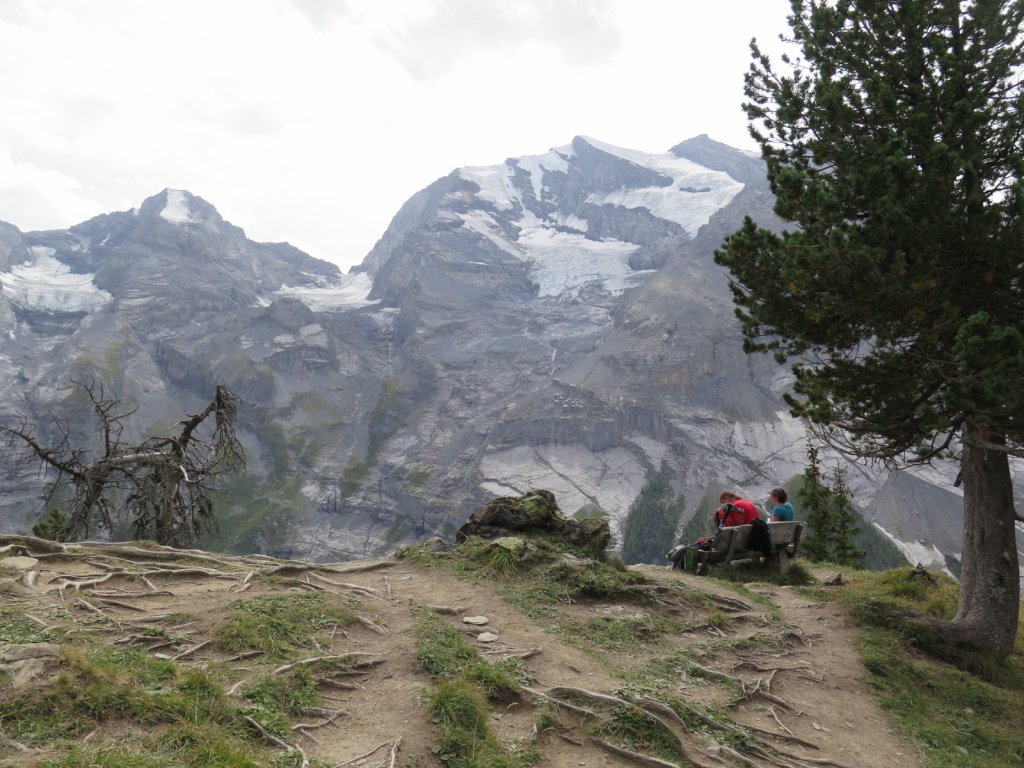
(554, 321)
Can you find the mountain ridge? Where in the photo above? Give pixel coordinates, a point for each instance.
(533, 323)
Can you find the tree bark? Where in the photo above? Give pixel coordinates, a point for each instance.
(989, 605)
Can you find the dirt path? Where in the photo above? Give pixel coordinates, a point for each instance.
(831, 704)
(788, 668)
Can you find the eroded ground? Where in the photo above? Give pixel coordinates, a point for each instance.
(757, 676)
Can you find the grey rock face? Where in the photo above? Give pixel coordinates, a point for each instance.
(553, 322)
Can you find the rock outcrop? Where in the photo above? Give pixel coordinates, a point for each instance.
(535, 511)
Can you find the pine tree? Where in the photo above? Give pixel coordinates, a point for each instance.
(845, 524)
(895, 141)
(832, 522)
(815, 503)
(651, 522)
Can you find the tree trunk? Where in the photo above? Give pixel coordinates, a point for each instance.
(989, 605)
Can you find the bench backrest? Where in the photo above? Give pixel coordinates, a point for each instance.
(734, 539)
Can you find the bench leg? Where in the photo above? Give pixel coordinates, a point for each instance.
(779, 561)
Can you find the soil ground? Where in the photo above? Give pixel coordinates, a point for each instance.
(798, 677)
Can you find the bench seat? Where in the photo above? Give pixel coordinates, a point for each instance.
(731, 544)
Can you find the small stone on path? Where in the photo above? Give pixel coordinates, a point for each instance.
(486, 637)
(476, 620)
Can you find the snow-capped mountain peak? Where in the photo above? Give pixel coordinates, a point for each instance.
(176, 210)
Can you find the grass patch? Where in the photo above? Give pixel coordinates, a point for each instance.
(179, 717)
(745, 571)
(662, 674)
(16, 629)
(962, 708)
(618, 633)
(457, 702)
(541, 574)
(444, 653)
(280, 625)
(184, 744)
(102, 686)
(632, 728)
(292, 693)
(466, 741)
(464, 682)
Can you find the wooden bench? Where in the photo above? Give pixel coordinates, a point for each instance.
(731, 544)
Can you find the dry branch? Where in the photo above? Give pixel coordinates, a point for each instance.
(338, 684)
(507, 653)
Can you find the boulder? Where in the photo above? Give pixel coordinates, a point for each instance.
(536, 511)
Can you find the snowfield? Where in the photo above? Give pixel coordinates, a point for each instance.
(45, 284)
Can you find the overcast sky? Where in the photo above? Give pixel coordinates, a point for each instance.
(312, 121)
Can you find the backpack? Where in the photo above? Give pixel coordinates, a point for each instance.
(760, 539)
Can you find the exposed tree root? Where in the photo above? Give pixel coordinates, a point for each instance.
(278, 742)
(559, 692)
(191, 650)
(663, 710)
(365, 755)
(372, 626)
(731, 604)
(448, 610)
(636, 757)
(321, 659)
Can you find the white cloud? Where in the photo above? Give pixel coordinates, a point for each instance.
(301, 120)
(581, 31)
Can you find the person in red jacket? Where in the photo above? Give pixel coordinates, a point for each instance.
(734, 510)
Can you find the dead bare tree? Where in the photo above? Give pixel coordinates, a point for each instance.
(164, 486)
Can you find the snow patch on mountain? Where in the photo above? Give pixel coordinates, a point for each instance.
(537, 165)
(694, 196)
(176, 208)
(918, 552)
(349, 291)
(563, 263)
(44, 284)
(496, 185)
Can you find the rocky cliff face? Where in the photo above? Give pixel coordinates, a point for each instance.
(555, 321)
